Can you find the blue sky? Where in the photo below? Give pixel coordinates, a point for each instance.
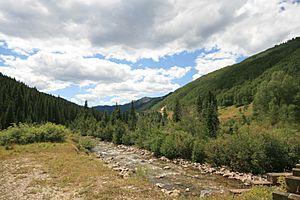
(117, 51)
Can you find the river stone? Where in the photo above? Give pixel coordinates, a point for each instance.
(294, 197)
(280, 196)
(175, 193)
(167, 167)
(262, 182)
(273, 177)
(296, 171)
(293, 184)
(160, 176)
(168, 192)
(160, 185)
(238, 191)
(228, 174)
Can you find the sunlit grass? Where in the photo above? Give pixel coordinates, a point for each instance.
(70, 169)
(233, 112)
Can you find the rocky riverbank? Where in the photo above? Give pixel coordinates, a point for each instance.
(174, 177)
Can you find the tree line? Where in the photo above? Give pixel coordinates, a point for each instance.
(20, 103)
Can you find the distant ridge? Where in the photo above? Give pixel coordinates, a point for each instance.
(139, 105)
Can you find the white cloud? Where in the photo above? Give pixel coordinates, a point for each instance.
(136, 29)
(145, 82)
(52, 71)
(259, 25)
(131, 30)
(209, 62)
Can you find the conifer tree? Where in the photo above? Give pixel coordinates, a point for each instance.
(177, 111)
(209, 113)
(86, 104)
(132, 117)
(164, 116)
(116, 114)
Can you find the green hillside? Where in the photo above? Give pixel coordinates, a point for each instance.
(237, 84)
(20, 103)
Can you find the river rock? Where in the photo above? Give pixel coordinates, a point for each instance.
(228, 174)
(167, 167)
(159, 185)
(168, 192)
(163, 158)
(175, 193)
(160, 176)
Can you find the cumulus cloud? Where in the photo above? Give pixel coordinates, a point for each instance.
(145, 82)
(132, 30)
(209, 62)
(136, 29)
(50, 71)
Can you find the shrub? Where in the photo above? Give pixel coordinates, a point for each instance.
(25, 134)
(177, 144)
(258, 192)
(256, 152)
(168, 147)
(157, 138)
(198, 154)
(119, 131)
(87, 143)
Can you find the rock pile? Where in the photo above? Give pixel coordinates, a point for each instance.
(293, 187)
(246, 178)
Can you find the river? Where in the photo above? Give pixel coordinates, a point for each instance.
(168, 175)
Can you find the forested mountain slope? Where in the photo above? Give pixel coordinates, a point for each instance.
(237, 84)
(20, 103)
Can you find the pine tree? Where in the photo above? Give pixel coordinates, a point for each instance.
(177, 111)
(209, 114)
(132, 118)
(164, 116)
(116, 114)
(86, 104)
(199, 105)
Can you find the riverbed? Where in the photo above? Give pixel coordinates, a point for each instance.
(172, 177)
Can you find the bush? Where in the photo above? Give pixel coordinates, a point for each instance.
(25, 134)
(168, 147)
(119, 131)
(107, 133)
(198, 154)
(156, 140)
(258, 192)
(87, 143)
(177, 144)
(256, 152)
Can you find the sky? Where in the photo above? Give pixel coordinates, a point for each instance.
(108, 51)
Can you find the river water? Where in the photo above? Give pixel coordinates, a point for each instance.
(165, 174)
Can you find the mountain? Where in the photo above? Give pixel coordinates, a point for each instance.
(237, 84)
(20, 103)
(139, 105)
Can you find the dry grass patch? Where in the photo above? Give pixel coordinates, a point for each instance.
(232, 112)
(49, 171)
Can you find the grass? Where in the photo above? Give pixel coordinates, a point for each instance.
(59, 170)
(256, 193)
(233, 112)
(73, 173)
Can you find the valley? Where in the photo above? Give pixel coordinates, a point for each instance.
(239, 122)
